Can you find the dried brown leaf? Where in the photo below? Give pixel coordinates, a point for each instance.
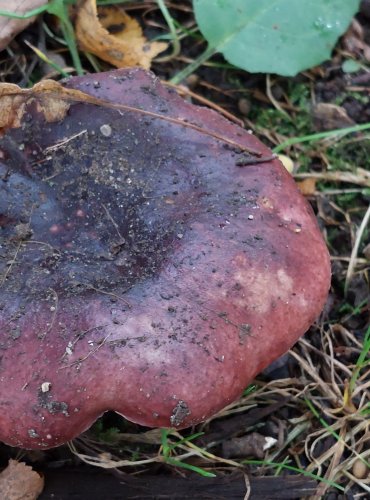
(50, 98)
(307, 187)
(114, 36)
(327, 116)
(53, 101)
(10, 27)
(252, 445)
(354, 41)
(19, 482)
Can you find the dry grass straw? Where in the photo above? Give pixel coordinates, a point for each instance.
(355, 249)
(331, 438)
(349, 431)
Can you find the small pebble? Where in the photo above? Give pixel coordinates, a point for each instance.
(192, 80)
(360, 469)
(45, 386)
(244, 106)
(106, 130)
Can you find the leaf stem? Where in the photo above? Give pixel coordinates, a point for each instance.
(171, 25)
(193, 66)
(320, 135)
(59, 9)
(25, 15)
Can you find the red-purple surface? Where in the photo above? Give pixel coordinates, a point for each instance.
(141, 269)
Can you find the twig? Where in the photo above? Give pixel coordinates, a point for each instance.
(181, 89)
(65, 141)
(93, 351)
(111, 294)
(245, 161)
(354, 252)
(273, 101)
(57, 91)
(11, 263)
(116, 226)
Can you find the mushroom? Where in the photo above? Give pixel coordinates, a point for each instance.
(154, 258)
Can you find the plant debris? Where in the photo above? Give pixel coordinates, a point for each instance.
(313, 401)
(115, 37)
(19, 482)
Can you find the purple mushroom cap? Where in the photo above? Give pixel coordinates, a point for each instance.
(142, 268)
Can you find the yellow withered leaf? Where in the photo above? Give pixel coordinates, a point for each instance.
(114, 36)
(307, 187)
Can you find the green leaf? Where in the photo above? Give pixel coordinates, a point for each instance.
(350, 66)
(274, 36)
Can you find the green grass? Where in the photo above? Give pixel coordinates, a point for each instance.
(358, 96)
(283, 465)
(58, 8)
(348, 155)
(171, 26)
(331, 431)
(108, 435)
(168, 448)
(272, 118)
(352, 310)
(344, 155)
(249, 390)
(311, 138)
